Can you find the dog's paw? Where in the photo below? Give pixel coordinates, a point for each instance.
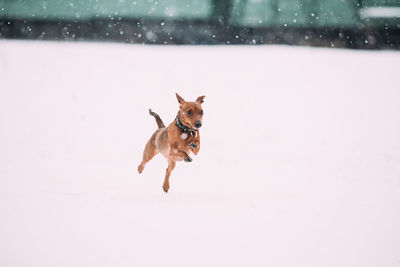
(193, 145)
(166, 188)
(140, 168)
(188, 159)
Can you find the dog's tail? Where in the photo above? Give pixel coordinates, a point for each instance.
(160, 123)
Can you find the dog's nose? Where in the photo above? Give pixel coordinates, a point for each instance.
(198, 124)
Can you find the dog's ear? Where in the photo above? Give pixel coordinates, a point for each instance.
(180, 99)
(200, 99)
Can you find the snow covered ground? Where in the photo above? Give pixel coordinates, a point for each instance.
(299, 163)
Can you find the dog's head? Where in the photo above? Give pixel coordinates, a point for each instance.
(191, 113)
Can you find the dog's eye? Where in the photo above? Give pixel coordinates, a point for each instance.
(189, 112)
(201, 112)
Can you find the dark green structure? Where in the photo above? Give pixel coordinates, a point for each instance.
(296, 13)
(87, 9)
(228, 17)
(254, 13)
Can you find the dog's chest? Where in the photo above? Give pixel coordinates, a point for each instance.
(185, 140)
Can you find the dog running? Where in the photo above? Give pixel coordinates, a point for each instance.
(176, 141)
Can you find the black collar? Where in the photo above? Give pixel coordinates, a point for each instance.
(182, 126)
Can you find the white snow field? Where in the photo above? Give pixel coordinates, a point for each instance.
(299, 162)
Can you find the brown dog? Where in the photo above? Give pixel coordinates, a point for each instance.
(177, 140)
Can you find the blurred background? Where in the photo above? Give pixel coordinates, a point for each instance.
(370, 24)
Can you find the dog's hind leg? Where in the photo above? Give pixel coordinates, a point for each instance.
(171, 166)
(149, 152)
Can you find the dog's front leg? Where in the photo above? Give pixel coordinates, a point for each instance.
(195, 146)
(179, 155)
